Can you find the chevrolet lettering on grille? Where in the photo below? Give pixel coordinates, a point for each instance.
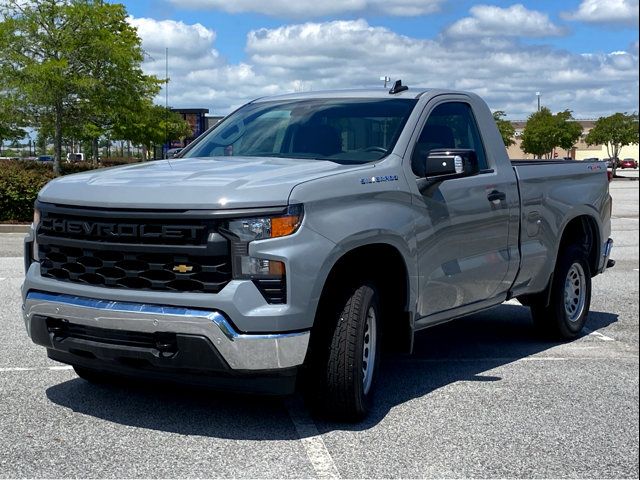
(118, 230)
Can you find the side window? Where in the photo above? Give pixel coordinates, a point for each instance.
(450, 125)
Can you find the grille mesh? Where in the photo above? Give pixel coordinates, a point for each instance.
(142, 271)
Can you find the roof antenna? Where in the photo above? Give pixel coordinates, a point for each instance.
(398, 87)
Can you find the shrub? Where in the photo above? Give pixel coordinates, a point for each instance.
(20, 182)
(76, 167)
(115, 161)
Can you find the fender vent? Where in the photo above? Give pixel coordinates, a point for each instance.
(274, 290)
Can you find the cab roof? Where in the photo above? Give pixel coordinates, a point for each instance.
(411, 93)
(381, 93)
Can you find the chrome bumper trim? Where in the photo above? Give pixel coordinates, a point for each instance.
(241, 351)
(606, 253)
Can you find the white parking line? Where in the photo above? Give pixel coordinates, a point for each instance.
(33, 369)
(312, 442)
(504, 360)
(481, 359)
(599, 335)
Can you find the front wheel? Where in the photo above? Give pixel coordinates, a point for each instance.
(353, 356)
(570, 297)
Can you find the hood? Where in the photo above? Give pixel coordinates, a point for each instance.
(190, 183)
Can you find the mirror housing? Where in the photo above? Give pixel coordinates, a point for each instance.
(449, 163)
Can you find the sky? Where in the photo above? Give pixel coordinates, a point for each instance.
(581, 55)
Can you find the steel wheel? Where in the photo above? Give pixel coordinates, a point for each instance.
(369, 350)
(574, 292)
(562, 314)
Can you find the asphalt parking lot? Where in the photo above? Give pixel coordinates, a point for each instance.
(481, 397)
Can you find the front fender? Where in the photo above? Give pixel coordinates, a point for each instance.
(352, 213)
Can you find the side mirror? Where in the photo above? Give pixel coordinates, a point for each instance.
(446, 164)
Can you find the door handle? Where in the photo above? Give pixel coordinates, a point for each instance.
(495, 195)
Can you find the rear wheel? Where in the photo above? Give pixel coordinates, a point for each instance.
(570, 297)
(351, 364)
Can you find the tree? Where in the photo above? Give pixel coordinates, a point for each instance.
(72, 61)
(10, 121)
(537, 136)
(545, 131)
(112, 59)
(505, 127)
(567, 130)
(615, 132)
(152, 125)
(41, 142)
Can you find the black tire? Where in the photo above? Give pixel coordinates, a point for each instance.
(557, 320)
(346, 392)
(93, 376)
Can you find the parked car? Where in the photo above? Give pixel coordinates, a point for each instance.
(611, 161)
(173, 152)
(75, 157)
(45, 158)
(342, 221)
(628, 163)
(591, 159)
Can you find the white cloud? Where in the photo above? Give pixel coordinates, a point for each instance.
(189, 42)
(606, 11)
(314, 8)
(514, 21)
(505, 72)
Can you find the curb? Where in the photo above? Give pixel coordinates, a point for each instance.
(11, 228)
(622, 179)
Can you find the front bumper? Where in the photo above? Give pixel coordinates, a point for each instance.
(239, 352)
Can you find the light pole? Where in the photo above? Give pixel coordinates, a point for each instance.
(166, 103)
(538, 95)
(386, 80)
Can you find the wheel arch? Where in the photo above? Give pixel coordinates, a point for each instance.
(383, 264)
(583, 230)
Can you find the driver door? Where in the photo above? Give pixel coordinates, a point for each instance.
(463, 224)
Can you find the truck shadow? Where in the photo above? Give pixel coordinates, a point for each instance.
(461, 351)
(466, 350)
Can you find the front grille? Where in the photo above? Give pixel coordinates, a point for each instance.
(132, 252)
(142, 271)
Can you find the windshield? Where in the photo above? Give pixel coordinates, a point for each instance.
(339, 130)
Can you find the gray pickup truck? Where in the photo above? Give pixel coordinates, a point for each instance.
(304, 233)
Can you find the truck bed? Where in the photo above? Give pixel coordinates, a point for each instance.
(542, 161)
(552, 191)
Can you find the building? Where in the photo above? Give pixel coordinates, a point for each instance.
(212, 120)
(580, 152)
(197, 120)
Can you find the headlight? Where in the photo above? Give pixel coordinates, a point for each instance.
(259, 228)
(36, 222)
(245, 230)
(36, 218)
